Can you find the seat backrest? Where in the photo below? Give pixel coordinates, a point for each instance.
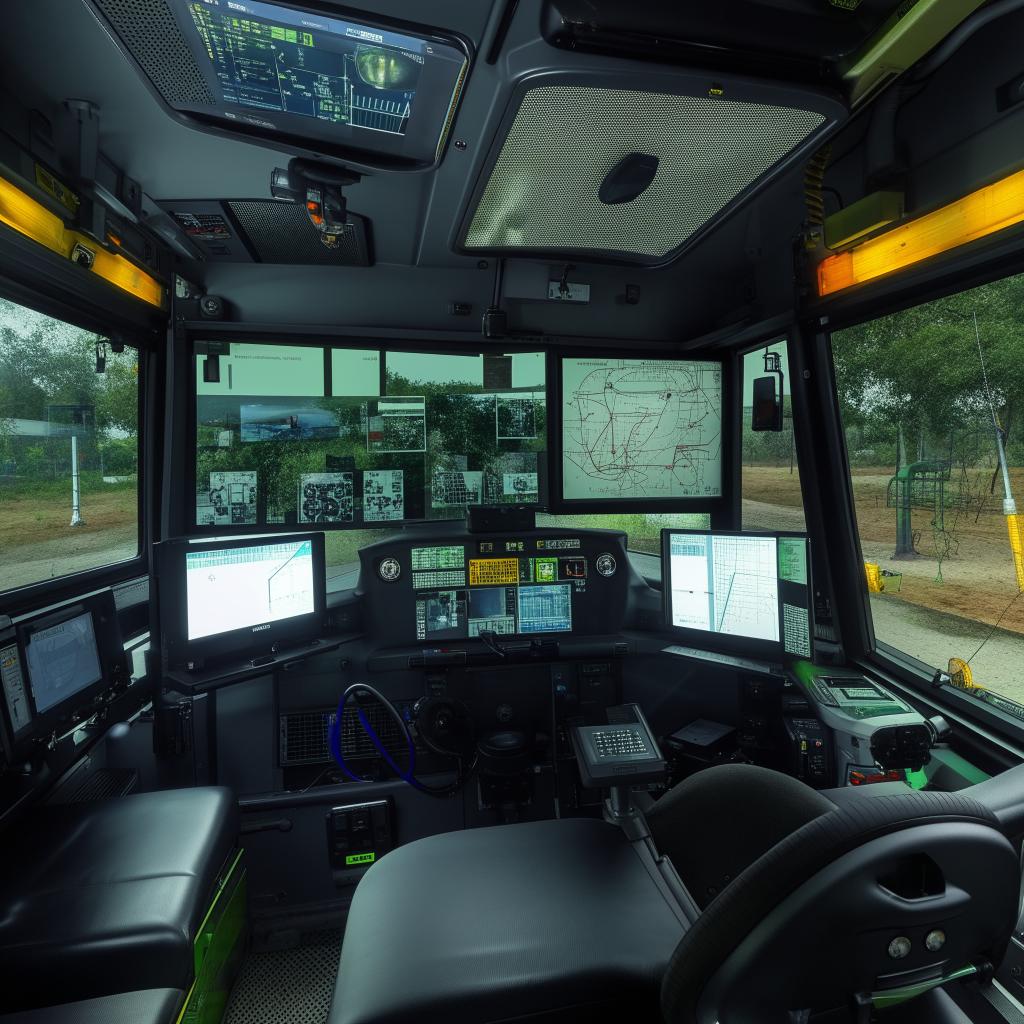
(808, 924)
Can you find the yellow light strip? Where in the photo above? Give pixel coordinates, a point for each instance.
(30, 218)
(982, 213)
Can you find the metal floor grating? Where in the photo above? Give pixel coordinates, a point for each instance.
(287, 986)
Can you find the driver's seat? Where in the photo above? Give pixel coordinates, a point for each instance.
(767, 914)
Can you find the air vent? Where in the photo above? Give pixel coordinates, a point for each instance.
(543, 190)
(151, 35)
(303, 736)
(281, 233)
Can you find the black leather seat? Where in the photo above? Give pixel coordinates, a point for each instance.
(101, 898)
(553, 918)
(153, 1006)
(788, 903)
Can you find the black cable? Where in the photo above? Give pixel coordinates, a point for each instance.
(991, 632)
(490, 639)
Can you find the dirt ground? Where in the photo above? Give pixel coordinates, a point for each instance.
(37, 541)
(941, 608)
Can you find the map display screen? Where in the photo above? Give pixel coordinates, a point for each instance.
(641, 429)
(281, 68)
(235, 588)
(745, 587)
(62, 660)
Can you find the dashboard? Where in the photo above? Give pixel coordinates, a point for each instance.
(442, 587)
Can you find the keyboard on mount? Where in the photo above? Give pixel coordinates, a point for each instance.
(616, 742)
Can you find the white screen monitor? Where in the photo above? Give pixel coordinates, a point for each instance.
(744, 592)
(247, 587)
(62, 660)
(641, 429)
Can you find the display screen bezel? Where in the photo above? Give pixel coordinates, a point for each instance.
(421, 146)
(242, 643)
(718, 506)
(730, 643)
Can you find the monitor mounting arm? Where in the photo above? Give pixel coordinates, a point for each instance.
(318, 186)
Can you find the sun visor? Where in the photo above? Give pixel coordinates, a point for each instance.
(585, 166)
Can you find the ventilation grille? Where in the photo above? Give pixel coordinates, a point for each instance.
(287, 986)
(543, 189)
(103, 784)
(281, 233)
(151, 35)
(303, 736)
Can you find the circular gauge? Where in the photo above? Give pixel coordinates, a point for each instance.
(389, 569)
(606, 564)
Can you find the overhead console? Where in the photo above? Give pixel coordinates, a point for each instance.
(493, 589)
(382, 95)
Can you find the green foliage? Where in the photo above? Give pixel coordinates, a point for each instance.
(920, 369)
(45, 362)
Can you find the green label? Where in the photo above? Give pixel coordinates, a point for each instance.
(359, 858)
(793, 559)
(546, 570)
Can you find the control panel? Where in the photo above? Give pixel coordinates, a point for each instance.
(623, 751)
(872, 728)
(446, 587)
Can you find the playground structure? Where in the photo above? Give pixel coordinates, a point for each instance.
(919, 485)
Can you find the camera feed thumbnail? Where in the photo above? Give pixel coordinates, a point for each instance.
(492, 609)
(441, 615)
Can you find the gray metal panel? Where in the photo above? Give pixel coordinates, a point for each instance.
(281, 233)
(150, 31)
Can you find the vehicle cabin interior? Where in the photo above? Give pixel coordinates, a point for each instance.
(508, 512)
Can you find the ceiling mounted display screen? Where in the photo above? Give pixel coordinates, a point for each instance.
(633, 175)
(276, 70)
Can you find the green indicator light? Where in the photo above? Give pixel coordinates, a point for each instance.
(546, 570)
(359, 858)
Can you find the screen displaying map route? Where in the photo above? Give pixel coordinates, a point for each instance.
(637, 429)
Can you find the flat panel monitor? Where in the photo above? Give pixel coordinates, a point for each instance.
(242, 596)
(641, 430)
(739, 592)
(63, 659)
(275, 68)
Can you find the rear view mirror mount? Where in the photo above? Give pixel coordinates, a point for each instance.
(766, 413)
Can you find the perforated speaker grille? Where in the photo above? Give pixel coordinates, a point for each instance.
(151, 35)
(542, 192)
(281, 233)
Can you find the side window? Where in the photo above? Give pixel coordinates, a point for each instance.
(932, 402)
(69, 449)
(770, 476)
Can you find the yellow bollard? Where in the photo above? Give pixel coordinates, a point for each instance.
(1017, 547)
(874, 577)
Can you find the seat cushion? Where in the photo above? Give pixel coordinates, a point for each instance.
(153, 1006)
(99, 898)
(546, 918)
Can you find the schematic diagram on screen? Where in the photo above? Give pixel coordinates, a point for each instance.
(641, 428)
(354, 79)
(744, 592)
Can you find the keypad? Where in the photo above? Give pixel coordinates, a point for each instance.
(619, 742)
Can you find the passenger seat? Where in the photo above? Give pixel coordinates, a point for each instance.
(154, 1006)
(98, 899)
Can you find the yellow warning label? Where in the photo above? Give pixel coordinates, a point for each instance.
(58, 190)
(486, 571)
